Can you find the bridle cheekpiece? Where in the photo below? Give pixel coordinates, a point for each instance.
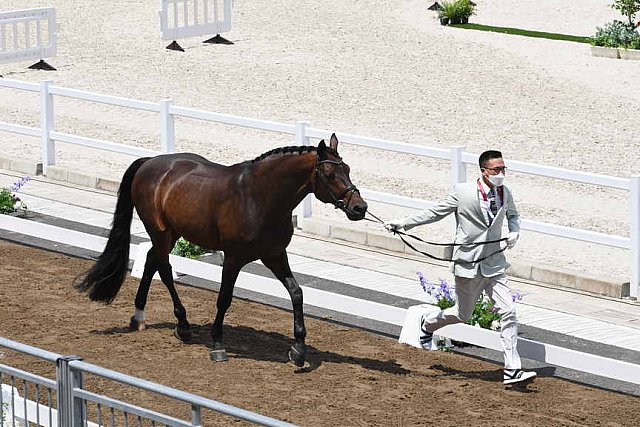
(338, 199)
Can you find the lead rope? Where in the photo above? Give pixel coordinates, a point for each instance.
(402, 234)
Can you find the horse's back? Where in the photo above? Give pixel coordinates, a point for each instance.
(182, 191)
(168, 161)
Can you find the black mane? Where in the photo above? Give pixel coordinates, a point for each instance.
(292, 150)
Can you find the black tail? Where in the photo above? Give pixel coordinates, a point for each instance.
(104, 279)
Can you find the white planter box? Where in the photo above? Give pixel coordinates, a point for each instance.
(612, 52)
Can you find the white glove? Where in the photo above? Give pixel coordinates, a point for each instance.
(394, 225)
(512, 238)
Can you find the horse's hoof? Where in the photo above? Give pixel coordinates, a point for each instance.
(218, 355)
(183, 335)
(296, 357)
(137, 325)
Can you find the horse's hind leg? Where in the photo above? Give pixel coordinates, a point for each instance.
(279, 265)
(230, 271)
(162, 246)
(183, 330)
(137, 322)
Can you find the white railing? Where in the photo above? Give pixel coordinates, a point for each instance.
(407, 318)
(457, 157)
(28, 34)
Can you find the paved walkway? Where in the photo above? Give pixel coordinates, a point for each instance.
(605, 320)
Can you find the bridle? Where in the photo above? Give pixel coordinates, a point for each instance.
(338, 199)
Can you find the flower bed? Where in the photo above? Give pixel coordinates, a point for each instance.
(485, 315)
(9, 202)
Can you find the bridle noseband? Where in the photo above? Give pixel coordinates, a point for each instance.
(338, 199)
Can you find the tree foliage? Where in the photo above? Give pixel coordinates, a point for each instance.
(628, 8)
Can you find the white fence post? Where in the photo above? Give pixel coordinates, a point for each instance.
(167, 127)
(634, 196)
(303, 139)
(458, 168)
(47, 125)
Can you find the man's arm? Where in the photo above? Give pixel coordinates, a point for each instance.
(448, 205)
(513, 217)
(513, 222)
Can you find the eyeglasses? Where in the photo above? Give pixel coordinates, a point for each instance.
(497, 170)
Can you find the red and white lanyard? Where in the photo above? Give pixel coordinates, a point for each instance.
(500, 194)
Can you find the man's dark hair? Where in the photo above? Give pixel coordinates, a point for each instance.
(489, 155)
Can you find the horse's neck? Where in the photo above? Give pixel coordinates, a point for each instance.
(287, 178)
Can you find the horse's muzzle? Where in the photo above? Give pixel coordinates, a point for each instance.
(357, 211)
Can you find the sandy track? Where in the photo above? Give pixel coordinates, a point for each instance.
(355, 378)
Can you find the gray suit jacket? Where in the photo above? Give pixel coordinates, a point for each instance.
(471, 227)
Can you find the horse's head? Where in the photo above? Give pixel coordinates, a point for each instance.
(332, 182)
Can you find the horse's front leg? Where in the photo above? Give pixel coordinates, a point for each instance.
(279, 265)
(230, 271)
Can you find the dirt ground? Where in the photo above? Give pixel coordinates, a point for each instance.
(355, 378)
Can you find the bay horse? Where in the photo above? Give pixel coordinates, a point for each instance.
(244, 210)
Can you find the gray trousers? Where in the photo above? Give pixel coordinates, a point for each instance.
(468, 291)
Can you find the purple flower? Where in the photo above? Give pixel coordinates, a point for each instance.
(424, 282)
(516, 297)
(19, 183)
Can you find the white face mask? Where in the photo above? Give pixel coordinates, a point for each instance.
(496, 180)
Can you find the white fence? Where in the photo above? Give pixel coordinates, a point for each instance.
(28, 34)
(457, 157)
(190, 18)
(559, 356)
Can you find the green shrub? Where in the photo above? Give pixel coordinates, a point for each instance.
(484, 314)
(617, 34)
(456, 11)
(185, 248)
(9, 202)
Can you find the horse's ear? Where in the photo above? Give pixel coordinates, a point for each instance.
(322, 151)
(333, 143)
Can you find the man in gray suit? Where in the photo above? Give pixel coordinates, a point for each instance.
(480, 208)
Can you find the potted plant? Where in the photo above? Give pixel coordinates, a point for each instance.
(466, 8)
(455, 11)
(616, 40)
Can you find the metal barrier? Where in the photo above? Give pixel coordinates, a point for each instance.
(457, 157)
(28, 34)
(192, 18)
(67, 403)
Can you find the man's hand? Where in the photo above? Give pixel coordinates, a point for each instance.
(512, 238)
(394, 225)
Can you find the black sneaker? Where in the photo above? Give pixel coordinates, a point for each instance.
(426, 337)
(513, 376)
